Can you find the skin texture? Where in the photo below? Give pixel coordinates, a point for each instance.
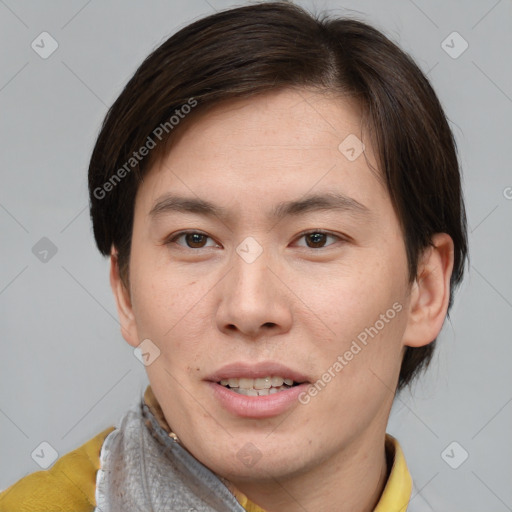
(300, 305)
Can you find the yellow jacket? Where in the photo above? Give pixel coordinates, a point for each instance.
(70, 484)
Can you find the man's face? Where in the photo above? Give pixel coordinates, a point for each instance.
(265, 290)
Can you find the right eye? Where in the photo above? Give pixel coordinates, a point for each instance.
(193, 239)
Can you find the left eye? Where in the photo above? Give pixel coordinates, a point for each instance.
(317, 239)
(196, 240)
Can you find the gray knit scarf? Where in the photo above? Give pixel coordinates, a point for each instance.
(143, 469)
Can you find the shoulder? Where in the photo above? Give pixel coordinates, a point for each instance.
(69, 485)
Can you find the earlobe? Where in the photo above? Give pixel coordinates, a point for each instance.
(430, 292)
(123, 301)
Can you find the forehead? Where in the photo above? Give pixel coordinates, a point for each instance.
(285, 143)
(270, 119)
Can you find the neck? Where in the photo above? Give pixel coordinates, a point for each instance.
(350, 481)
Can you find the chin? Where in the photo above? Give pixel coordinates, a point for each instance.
(249, 463)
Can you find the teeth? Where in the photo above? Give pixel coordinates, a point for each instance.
(246, 392)
(257, 387)
(259, 392)
(262, 383)
(277, 381)
(246, 383)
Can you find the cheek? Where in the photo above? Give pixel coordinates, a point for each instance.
(350, 299)
(361, 365)
(360, 316)
(171, 313)
(157, 295)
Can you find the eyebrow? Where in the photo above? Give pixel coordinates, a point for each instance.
(314, 202)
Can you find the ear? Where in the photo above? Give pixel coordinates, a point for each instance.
(430, 293)
(123, 302)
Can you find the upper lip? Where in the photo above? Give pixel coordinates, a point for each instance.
(255, 371)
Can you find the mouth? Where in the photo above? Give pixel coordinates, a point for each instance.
(257, 390)
(265, 386)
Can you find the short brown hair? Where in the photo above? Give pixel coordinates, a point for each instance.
(255, 49)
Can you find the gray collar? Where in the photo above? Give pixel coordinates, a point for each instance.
(142, 468)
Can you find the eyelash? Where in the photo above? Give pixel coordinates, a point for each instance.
(301, 235)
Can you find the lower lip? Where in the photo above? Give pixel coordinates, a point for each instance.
(257, 406)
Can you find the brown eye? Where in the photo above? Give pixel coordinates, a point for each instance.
(192, 240)
(318, 239)
(195, 240)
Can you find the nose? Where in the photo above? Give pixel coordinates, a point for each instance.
(253, 300)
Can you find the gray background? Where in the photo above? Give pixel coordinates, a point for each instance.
(65, 371)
